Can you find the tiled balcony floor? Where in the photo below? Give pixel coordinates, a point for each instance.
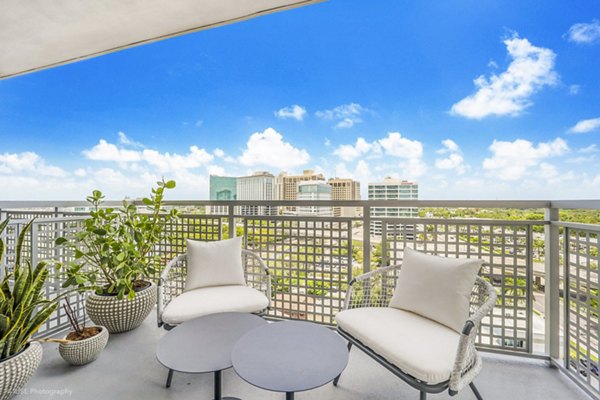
(128, 369)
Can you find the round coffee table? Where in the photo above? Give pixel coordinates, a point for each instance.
(289, 357)
(204, 345)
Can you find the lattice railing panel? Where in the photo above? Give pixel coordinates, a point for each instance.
(505, 250)
(580, 263)
(195, 227)
(44, 234)
(310, 262)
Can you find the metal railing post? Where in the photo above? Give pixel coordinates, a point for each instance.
(231, 222)
(366, 239)
(34, 244)
(552, 283)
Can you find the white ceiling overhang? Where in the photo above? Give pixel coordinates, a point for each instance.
(39, 34)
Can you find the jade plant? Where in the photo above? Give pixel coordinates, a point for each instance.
(114, 252)
(23, 305)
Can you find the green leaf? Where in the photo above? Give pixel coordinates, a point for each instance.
(147, 201)
(170, 184)
(100, 231)
(60, 241)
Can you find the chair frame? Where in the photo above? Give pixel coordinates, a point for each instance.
(164, 298)
(467, 364)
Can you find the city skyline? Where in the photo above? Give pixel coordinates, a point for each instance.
(474, 101)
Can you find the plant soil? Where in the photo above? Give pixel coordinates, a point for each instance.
(85, 334)
(138, 286)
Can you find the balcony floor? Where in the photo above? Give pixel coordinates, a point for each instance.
(128, 369)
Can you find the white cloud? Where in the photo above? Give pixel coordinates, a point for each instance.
(574, 89)
(105, 151)
(219, 152)
(398, 146)
(407, 153)
(512, 161)
(509, 93)
(269, 149)
(346, 115)
(592, 148)
(584, 32)
(292, 112)
(586, 125)
(215, 170)
(28, 163)
(199, 123)
(454, 159)
(349, 152)
(125, 140)
(163, 162)
(167, 162)
(80, 172)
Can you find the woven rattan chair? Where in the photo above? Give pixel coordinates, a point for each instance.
(254, 297)
(370, 295)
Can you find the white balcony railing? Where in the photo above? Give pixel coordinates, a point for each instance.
(534, 264)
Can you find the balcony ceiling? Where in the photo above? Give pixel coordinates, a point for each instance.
(39, 34)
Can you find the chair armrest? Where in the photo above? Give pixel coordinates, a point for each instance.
(467, 363)
(364, 278)
(264, 267)
(164, 277)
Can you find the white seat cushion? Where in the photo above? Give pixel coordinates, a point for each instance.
(198, 302)
(217, 263)
(438, 288)
(416, 345)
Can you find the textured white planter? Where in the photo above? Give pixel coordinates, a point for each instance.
(121, 315)
(85, 351)
(16, 370)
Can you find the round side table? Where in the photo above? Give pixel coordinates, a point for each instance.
(289, 357)
(204, 345)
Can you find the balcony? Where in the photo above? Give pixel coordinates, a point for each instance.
(534, 265)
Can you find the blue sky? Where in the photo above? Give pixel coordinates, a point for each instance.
(473, 99)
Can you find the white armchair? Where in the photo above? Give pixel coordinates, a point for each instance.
(177, 304)
(428, 355)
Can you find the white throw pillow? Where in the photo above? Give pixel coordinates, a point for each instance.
(216, 263)
(437, 288)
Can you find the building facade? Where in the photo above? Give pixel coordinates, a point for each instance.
(345, 189)
(260, 187)
(392, 189)
(317, 190)
(286, 186)
(222, 188)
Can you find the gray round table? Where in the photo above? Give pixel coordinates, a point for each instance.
(289, 357)
(204, 345)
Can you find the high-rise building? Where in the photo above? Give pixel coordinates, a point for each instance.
(317, 190)
(258, 186)
(222, 188)
(345, 189)
(392, 189)
(286, 186)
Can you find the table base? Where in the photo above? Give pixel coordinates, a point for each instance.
(217, 387)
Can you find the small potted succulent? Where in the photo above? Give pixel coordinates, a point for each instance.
(115, 258)
(23, 309)
(83, 344)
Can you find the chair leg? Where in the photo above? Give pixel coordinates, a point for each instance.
(423, 396)
(337, 378)
(475, 391)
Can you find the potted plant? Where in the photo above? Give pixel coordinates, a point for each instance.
(115, 258)
(23, 309)
(83, 344)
